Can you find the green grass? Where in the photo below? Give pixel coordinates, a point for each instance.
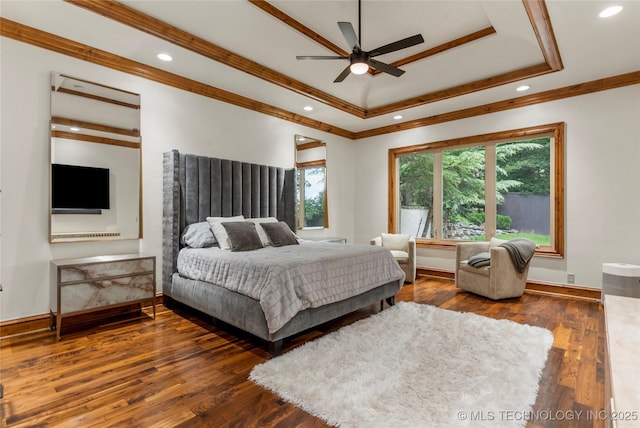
(538, 239)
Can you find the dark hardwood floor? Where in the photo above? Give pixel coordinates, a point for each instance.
(180, 370)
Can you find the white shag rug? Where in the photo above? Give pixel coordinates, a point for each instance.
(414, 365)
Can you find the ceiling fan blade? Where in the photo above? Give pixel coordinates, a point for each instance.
(396, 46)
(320, 57)
(349, 34)
(389, 69)
(343, 75)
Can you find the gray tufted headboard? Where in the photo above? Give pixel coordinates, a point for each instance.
(197, 187)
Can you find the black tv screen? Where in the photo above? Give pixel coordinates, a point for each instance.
(79, 187)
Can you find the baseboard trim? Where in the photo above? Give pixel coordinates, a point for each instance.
(561, 290)
(435, 273)
(533, 287)
(24, 325)
(41, 322)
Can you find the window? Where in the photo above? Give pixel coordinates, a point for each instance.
(506, 184)
(311, 183)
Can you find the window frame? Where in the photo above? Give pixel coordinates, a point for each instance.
(310, 144)
(553, 130)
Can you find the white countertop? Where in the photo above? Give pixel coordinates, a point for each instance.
(622, 315)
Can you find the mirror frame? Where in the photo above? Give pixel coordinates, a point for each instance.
(315, 155)
(87, 112)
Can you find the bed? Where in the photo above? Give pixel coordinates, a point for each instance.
(309, 283)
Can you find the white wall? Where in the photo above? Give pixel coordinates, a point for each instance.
(602, 196)
(602, 186)
(170, 119)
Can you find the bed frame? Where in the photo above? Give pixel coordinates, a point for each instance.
(196, 187)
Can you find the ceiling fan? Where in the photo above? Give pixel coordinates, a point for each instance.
(360, 60)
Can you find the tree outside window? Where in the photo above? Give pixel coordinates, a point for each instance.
(484, 186)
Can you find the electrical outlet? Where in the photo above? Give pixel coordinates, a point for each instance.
(571, 278)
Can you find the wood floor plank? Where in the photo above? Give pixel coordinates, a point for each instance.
(180, 370)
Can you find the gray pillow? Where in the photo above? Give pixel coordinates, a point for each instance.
(280, 234)
(480, 260)
(198, 235)
(243, 235)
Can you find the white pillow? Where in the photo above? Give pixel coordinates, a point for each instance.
(220, 232)
(261, 233)
(495, 242)
(395, 241)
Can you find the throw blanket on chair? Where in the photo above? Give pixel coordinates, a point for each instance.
(521, 251)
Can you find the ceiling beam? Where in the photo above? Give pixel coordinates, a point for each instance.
(303, 29)
(541, 23)
(443, 47)
(54, 43)
(164, 31)
(598, 85)
(298, 26)
(35, 37)
(536, 10)
(464, 89)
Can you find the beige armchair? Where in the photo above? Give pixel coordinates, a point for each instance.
(499, 280)
(403, 248)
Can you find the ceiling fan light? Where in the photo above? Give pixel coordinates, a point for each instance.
(359, 68)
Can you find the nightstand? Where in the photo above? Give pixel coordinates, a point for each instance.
(90, 284)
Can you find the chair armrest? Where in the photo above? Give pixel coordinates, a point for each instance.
(412, 252)
(376, 241)
(501, 261)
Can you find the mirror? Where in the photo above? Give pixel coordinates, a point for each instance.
(95, 168)
(311, 183)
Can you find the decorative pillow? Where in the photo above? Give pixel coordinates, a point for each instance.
(242, 235)
(395, 241)
(280, 234)
(480, 259)
(261, 233)
(495, 242)
(220, 232)
(198, 235)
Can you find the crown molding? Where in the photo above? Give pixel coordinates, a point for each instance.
(536, 10)
(42, 39)
(39, 38)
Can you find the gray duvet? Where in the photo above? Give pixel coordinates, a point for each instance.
(286, 280)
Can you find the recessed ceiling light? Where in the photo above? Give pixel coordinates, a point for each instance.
(397, 117)
(308, 108)
(523, 88)
(164, 57)
(610, 11)
(74, 129)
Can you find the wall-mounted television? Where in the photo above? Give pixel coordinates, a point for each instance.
(79, 189)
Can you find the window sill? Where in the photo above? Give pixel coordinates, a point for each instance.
(546, 252)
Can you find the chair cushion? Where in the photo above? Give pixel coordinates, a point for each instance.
(400, 256)
(395, 241)
(484, 271)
